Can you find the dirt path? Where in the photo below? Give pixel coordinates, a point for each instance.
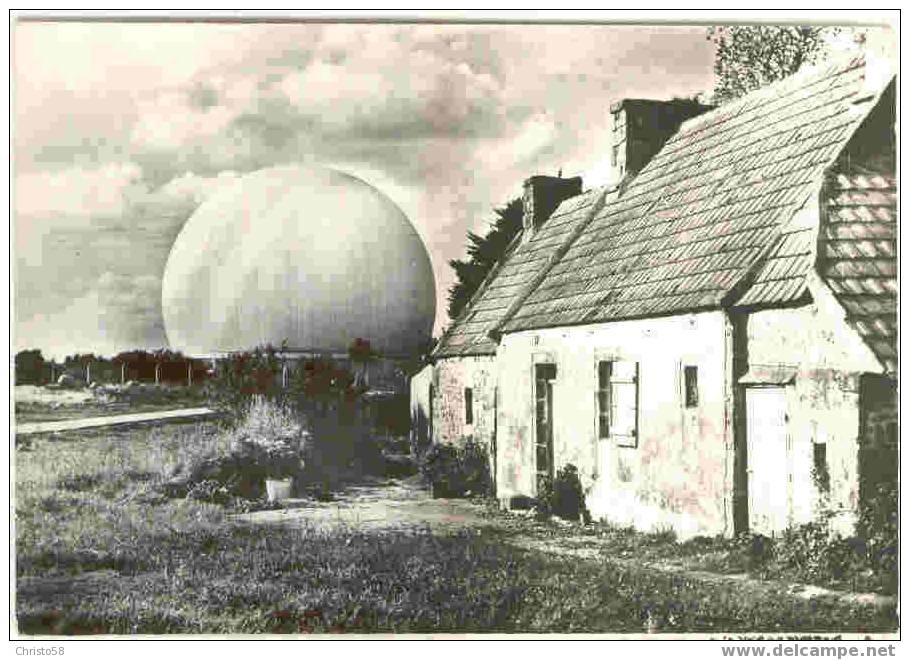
(383, 505)
(112, 420)
(404, 505)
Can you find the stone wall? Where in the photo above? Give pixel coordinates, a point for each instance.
(451, 377)
(679, 476)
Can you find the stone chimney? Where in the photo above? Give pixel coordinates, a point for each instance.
(541, 196)
(642, 126)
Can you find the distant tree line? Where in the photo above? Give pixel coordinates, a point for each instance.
(162, 366)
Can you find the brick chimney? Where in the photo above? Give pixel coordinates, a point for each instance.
(541, 196)
(642, 126)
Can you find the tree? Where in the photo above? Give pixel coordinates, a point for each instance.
(30, 367)
(483, 253)
(751, 56)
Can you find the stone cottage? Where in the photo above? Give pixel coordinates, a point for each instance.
(713, 341)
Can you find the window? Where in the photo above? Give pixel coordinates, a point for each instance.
(603, 399)
(820, 467)
(690, 378)
(617, 402)
(468, 406)
(544, 378)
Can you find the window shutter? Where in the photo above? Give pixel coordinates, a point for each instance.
(624, 403)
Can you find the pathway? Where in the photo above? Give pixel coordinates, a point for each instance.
(385, 505)
(113, 420)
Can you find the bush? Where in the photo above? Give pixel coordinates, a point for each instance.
(242, 377)
(813, 554)
(269, 442)
(878, 524)
(564, 496)
(456, 471)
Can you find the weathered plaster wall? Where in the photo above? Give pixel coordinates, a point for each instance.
(451, 377)
(420, 405)
(823, 404)
(680, 474)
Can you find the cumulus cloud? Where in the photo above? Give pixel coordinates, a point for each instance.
(115, 314)
(415, 93)
(191, 188)
(60, 259)
(77, 191)
(170, 120)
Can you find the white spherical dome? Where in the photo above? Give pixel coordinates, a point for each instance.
(306, 255)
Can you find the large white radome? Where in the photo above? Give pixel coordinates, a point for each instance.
(308, 255)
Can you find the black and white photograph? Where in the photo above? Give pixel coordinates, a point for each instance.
(452, 326)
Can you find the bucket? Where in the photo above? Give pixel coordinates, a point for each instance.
(277, 489)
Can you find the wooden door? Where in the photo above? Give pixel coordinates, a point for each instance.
(544, 376)
(767, 459)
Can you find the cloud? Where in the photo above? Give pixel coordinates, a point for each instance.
(416, 93)
(59, 259)
(190, 188)
(171, 120)
(77, 191)
(115, 314)
(536, 134)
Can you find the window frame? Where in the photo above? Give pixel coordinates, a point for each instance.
(469, 406)
(690, 392)
(605, 400)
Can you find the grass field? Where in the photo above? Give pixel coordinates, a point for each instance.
(40, 404)
(100, 550)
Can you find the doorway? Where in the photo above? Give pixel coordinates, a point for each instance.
(544, 378)
(767, 459)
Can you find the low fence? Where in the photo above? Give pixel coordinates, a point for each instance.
(185, 372)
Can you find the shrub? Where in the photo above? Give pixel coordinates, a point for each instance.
(242, 377)
(878, 525)
(564, 496)
(813, 554)
(475, 468)
(269, 442)
(273, 432)
(456, 471)
(755, 549)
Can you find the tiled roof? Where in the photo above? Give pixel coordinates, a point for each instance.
(858, 257)
(781, 278)
(518, 269)
(709, 208)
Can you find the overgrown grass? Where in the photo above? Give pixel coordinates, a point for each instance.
(805, 555)
(41, 404)
(98, 550)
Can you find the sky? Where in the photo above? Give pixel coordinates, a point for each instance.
(121, 130)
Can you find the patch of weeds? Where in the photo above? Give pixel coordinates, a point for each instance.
(56, 503)
(212, 491)
(79, 482)
(321, 492)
